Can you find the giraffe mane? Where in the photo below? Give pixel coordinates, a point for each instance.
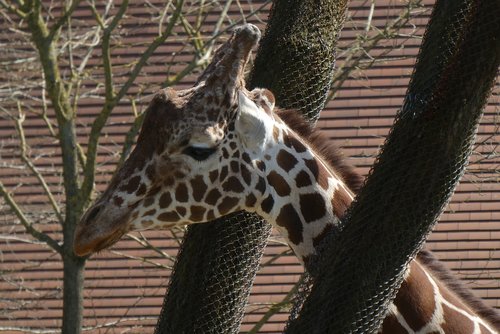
(322, 145)
(437, 268)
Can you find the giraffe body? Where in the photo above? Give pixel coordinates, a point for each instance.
(218, 148)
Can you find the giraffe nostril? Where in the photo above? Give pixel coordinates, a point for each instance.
(93, 213)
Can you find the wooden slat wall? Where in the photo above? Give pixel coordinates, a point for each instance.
(130, 292)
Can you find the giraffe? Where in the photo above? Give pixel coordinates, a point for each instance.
(217, 148)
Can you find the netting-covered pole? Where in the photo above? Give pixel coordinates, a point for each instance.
(422, 160)
(218, 261)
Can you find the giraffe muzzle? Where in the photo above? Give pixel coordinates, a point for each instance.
(100, 227)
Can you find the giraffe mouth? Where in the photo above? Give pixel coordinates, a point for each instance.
(91, 237)
(85, 245)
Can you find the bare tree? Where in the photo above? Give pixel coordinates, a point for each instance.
(53, 61)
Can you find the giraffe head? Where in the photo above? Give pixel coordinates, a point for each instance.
(193, 158)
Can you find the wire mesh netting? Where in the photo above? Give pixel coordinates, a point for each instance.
(413, 178)
(421, 162)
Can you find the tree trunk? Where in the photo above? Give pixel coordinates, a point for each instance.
(73, 266)
(72, 292)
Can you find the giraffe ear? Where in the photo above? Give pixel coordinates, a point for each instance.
(264, 98)
(251, 123)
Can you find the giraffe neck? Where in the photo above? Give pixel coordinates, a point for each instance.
(304, 196)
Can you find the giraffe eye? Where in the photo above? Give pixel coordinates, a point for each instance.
(199, 153)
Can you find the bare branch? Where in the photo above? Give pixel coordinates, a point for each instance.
(19, 127)
(29, 330)
(13, 9)
(146, 244)
(55, 28)
(277, 307)
(142, 259)
(131, 134)
(358, 52)
(112, 324)
(26, 223)
(106, 52)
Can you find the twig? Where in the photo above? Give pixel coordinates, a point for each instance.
(20, 130)
(131, 134)
(55, 28)
(277, 307)
(142, 259)
(13, 9)
(28, 330)
(26, 223)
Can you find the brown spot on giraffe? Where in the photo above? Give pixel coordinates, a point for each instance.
(302, 179)
(341, 201)
(235, 166)
(245, 174)
(415, 299)
(181, 210)
(286, 160)
(227, 204)
(391, 325)
(132, 185)
(297, 145)
(312, 206)
(118, 201)
(148, 201)
(179, 175)
(290, 220)
(142, 190)
(267, 204)
(223, 173)
(318, 171)
(233, 184)
(197, 213)
(278, 183)
(261, 185)
(168, 181)
(210, 215)
(165, 200)
(260, 165)
(225, 154)
(199, 188)
(181, 193)
(150, 172)
(246, 158)
(170, 216)
(213, 175)
(155, 190)
(151, 212)
(213, 196)
(250, 201)
(147, 223)
(455, 322)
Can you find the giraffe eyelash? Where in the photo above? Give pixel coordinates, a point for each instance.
(199, 153)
